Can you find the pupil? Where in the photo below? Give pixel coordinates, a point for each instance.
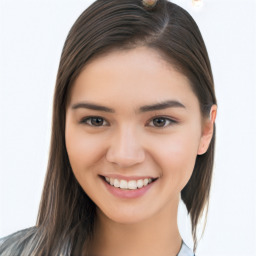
(159, 122)
(97, 121)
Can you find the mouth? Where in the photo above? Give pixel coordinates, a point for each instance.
(132, 184)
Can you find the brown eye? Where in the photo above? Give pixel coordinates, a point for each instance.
(161, 122)
(97, 121)
(94, 121)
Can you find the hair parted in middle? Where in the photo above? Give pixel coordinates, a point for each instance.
(115, 24)
(66, 215)
(150, 4)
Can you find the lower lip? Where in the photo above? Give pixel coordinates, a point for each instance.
(128, 193)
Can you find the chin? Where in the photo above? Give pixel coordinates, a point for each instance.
(128, 219)
(126, 216)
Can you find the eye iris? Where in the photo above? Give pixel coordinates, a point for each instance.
(159, 122)
(97, 121)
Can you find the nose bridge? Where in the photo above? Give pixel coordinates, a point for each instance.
(126, 148)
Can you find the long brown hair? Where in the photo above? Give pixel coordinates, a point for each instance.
(66, 214)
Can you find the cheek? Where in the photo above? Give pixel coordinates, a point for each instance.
(176, 157)
(83, 150)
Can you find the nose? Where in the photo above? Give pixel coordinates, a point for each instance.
(125, 149)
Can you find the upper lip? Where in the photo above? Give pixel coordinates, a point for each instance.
(127, 178)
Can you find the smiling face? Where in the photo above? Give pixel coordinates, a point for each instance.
(133, 121)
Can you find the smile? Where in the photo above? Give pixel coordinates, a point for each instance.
(128, 185)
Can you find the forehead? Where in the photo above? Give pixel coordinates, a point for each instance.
(138, 75)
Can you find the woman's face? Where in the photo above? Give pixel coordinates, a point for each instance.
(133, 121)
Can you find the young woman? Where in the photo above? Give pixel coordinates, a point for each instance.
(133, 132)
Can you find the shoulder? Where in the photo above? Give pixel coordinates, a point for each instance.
(15, 243)
(185, 251)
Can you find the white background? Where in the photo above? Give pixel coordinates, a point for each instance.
(32, 34)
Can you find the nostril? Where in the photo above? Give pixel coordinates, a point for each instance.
(125, 160)
(125, 149)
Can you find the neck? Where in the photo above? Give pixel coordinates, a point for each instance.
(158, 235)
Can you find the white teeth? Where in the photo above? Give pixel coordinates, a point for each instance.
(140, 183)
(131, 184)
(116, 183)
(123, 184)
(145, 182)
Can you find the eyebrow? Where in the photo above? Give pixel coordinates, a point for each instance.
(92, 106)
(146, 108)
(162, 105)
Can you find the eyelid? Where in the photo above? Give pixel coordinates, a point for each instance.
(86, 118)
(171, 121)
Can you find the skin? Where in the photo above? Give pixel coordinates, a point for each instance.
(128, 143)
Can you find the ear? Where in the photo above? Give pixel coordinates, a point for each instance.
(207, 131)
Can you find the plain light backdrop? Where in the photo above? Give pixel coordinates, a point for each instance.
(32, 33)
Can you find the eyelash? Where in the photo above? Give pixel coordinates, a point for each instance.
(167, 120)
(89, 118)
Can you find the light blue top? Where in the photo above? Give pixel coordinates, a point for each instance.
(185, 251)
(13, 247)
